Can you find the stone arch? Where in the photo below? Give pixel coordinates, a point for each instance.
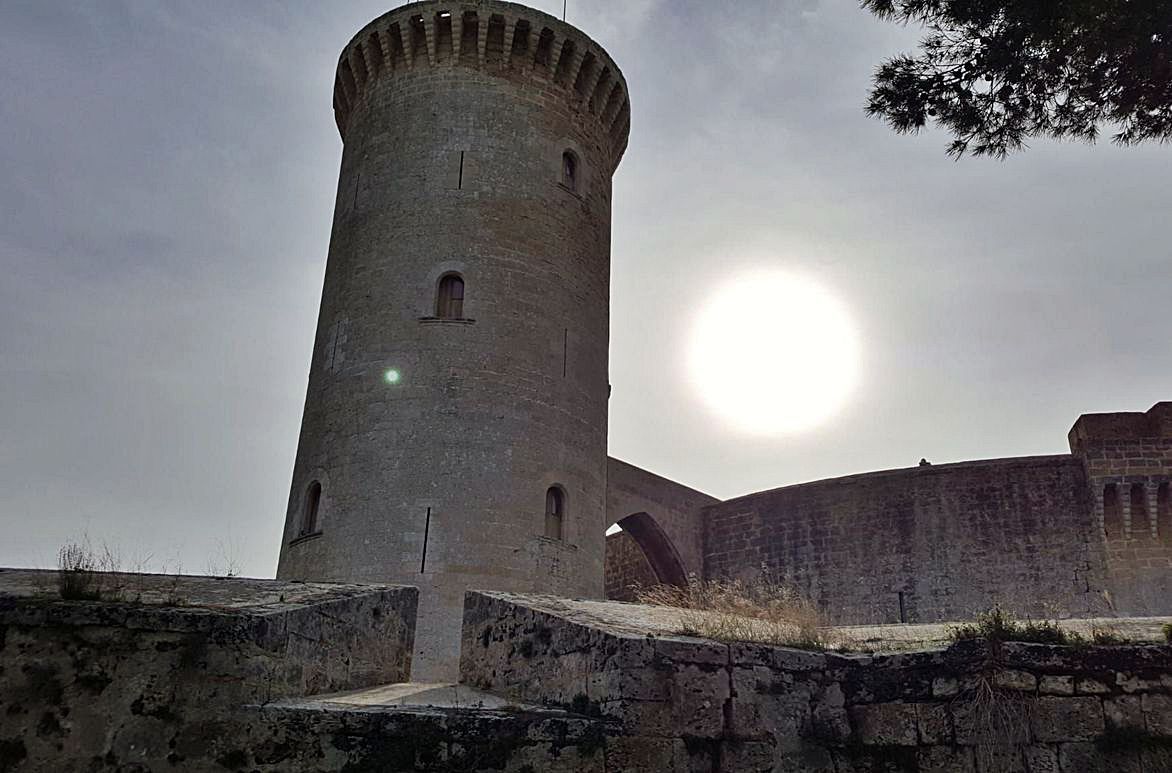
(657, 548)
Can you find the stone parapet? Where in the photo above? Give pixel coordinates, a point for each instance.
(167, 659)
(498, 38)
(678, 703)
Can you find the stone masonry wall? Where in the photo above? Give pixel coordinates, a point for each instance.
(458, 119)
(924, 544)
(679, 703)
(675, 509)
(626, 567)
(150, 681)
(1128, 463)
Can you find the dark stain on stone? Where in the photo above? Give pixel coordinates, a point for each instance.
(148, 707)
(12, 753)
(233, 760)
(49, 725)
(95, 682)
(43, 682)
(581, 704)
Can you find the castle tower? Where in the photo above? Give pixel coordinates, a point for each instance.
(454, 433)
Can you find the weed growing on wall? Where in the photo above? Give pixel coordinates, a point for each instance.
(1102, 634)
(83, 572)
(997, 625)
(1168, 632)
(763, 611)
(77, 567)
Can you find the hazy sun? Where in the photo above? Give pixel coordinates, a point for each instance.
(774, 353)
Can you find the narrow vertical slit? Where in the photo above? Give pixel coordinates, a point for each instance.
(426, 529)
(460, 184)
(565, 350)
(902, 609)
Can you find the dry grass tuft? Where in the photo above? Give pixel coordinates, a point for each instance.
(77, 568)
(1106, 634)
(80, 570)
(764, 611)
(1000, 720)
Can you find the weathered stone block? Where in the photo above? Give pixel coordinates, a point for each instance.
(1133, 683)
(642, 753)
(1042, 759)
(885, 724)
(1158, 714)
(1056, 720)
(1056, 685)
(1088, 686)
(934, 722)
(640, 684)
(778, 658)
(1123, 711)
(1089, 758)
(698, 696)
(764, 706)
(650, 718)
(946, 759)
(748, 756)
(805, 757)
(829, 719)
(1000, 759)
(1009, 679)
(682, 649)
(945, 687)
(872, 759)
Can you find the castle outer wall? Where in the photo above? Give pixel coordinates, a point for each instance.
(1085, 533)
(930, 543)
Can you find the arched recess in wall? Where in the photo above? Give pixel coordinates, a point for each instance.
(1112, 512)
(1164, 511)
(661, 554)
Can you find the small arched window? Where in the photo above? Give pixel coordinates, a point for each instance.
(555, 512)
(309, 512)
(449, 302)
(570, 170)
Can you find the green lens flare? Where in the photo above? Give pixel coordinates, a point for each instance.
(393, 376)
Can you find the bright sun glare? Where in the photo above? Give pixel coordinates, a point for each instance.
(774, 353)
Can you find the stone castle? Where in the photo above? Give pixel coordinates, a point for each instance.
(440, 602)
(454, 435)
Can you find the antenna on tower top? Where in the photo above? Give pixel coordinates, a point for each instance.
(564, 4)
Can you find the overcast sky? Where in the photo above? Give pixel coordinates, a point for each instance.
(167, 175)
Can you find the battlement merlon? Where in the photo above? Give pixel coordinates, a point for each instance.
(499, 38)
(1095, 428)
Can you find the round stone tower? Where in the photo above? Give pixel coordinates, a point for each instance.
(454, 434)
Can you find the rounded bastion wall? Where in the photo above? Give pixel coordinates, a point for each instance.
(480, 140)
(932, 543)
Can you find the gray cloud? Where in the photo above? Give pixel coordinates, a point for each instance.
(167, 179)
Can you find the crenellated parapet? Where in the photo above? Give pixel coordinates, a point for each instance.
(498, 38)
